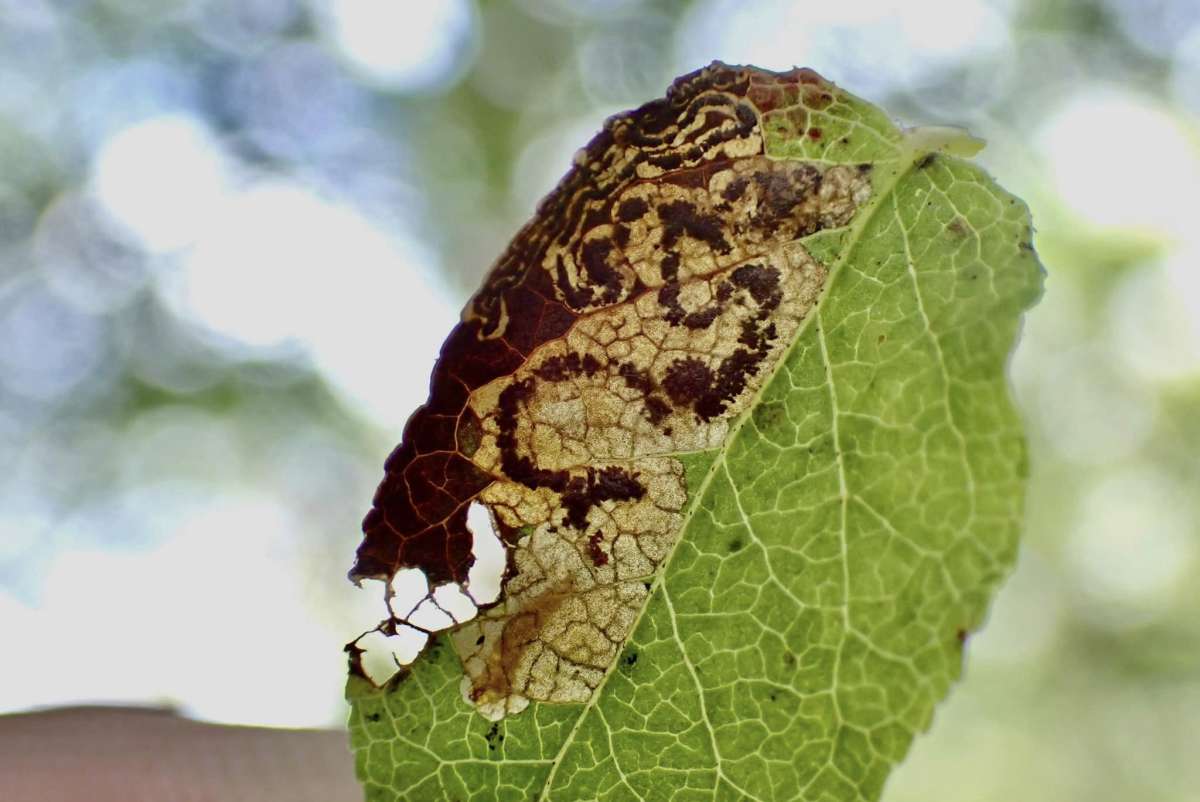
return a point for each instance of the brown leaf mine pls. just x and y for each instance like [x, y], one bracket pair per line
[633, 319]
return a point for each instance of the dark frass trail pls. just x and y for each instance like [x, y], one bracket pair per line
[734, 403]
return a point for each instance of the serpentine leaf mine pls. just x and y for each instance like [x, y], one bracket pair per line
[733, 404]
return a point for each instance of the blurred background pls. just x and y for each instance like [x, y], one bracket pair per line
[234, 232]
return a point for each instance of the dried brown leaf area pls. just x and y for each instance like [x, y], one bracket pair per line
[632, 320]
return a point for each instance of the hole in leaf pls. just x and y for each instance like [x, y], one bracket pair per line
[483, 580]
[452, 601]
[430, 616]
[408, 589]
[382, 654]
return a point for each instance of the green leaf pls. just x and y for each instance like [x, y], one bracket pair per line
[837, 544]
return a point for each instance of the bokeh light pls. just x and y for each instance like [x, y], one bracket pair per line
[403, 46]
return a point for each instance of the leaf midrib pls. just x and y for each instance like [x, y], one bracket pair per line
[911, 152]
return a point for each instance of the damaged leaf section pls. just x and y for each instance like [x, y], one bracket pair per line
[633, 320]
